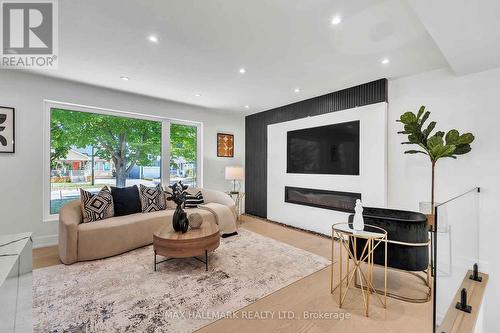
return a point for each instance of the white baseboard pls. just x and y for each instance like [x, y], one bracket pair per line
[43, 241]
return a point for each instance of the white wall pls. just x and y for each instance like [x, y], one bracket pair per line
[21, 173]
[371, 182]
[467, 103]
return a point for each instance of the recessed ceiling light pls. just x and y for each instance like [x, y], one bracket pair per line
[247, 106]
[243, 70]
[336, 20]
[153, 39]
[296, 90]
[124, 78]
[197, 94]
[385, 61]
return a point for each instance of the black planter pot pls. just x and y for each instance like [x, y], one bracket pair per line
[179, 220]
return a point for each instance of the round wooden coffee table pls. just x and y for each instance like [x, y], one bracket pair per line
[193, 243]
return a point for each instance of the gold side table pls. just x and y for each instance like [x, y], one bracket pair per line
[347, 236]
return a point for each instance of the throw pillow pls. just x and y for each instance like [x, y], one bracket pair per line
[98, 206]
[126, 200]
[193, 200]
[170, 204]
[152, 198]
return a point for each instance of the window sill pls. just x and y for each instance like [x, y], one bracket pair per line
[51, 219]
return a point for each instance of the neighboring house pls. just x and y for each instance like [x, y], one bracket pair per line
[76, 167]
[72, 167]
[182, 168]
[146, 172]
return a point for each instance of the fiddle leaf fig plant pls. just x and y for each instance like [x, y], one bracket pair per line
[437, 145]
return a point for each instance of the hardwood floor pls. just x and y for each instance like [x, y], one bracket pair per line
[311, 296]
[45, 257]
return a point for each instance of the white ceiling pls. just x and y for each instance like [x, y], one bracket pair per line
[283, 44]
[467, 31]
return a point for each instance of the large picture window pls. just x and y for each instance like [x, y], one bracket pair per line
[89, 150]
[183, 154]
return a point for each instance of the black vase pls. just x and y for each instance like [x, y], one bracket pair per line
[180, 221]
[183, 222]
[176, 218]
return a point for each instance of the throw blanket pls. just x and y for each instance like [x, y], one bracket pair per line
[224, 217]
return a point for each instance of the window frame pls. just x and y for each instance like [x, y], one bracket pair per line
[165, 144]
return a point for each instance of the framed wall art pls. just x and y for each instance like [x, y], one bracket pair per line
[225, 145]
[7, 130]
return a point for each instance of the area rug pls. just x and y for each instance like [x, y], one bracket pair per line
[125, 294]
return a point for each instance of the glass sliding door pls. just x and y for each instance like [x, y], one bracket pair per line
[184, 153]
[90, 150]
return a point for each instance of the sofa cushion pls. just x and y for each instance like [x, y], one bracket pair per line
[193, 200]
[152, 198]
[126, 200]
[98, 206]
[120, 234]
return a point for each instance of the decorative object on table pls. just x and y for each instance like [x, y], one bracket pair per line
[195, 220]
[225, 145]
[235, 174]
[7, 130]
[193, 200]
[178, 196]
[96, 207]
[436, 146]
[358, 222]
[373, 237]
[152, 198]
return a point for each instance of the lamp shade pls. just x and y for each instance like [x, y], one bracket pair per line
[234, 173]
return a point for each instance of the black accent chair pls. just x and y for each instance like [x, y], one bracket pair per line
[407, 245]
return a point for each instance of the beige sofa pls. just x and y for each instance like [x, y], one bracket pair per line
[95, 240]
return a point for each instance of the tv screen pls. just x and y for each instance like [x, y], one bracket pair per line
[331, 149]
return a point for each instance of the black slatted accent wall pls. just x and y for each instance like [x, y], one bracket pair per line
[256, 133]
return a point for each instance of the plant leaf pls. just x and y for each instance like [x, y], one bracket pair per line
[462, 149]
[415, 152]
[420, 111]
[408, 118]
[452, 137]
[466, 138]
[441, 150]
[424, 118]
[429, 129]
[434, 141]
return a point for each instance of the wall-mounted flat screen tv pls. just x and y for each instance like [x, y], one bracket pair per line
[331, 149]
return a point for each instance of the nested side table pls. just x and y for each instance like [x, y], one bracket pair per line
[348, 238]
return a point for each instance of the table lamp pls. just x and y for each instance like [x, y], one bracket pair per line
[235, 174]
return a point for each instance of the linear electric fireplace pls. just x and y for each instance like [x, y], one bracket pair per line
[334, 200]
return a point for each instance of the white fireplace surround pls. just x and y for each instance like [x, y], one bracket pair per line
[371, 182]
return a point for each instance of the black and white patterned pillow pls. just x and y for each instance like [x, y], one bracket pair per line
[193, 200]
[152, 198]
[96, 207]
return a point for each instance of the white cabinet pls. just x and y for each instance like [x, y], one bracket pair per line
[16, 297]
